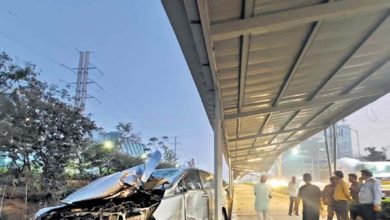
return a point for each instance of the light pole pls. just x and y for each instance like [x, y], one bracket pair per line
[357, 138]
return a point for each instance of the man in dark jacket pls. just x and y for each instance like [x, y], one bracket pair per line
[311, 198]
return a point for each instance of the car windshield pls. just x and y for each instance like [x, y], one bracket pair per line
[169, 174]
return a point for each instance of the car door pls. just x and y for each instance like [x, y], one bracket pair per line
[172, 206]
[196, 198]
[208, 186]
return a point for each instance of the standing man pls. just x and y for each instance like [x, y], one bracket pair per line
[327, 196]
[354, 190]
[311, 198]
[370, 197]
[341, 196]
[263, 195]
[293, 188]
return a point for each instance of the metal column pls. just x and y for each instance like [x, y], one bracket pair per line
[327, 153]
[334, 136]
[217, 158]
[230, 179]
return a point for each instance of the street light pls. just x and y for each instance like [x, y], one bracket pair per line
[108, 145]
[144, 156]
[295, 150]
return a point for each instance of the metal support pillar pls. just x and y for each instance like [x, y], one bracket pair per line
[230, 179]
[327, 153]
[217, 158]
[334, 137]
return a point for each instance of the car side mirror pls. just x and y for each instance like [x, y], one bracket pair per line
[181, 190]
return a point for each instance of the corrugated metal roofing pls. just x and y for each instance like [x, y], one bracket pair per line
[285, 69]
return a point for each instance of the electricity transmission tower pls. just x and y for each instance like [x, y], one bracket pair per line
[175, 144]
[83, 81]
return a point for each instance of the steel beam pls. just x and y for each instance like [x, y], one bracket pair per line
[275, 133]
[340, 66]
[244, 56]
[259, 147]
[264, 156]
[294, 17]
[289, 77]
[371, 71]
[348, 58]
[303, 138]
[306, 104]
[301, 55]
[285, 125]
[311, 119]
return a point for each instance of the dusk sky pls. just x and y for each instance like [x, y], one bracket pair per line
[146, 79]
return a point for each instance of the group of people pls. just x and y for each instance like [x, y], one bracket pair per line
[361, 198]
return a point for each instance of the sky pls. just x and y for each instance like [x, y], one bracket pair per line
[372, 124]
[146, 80]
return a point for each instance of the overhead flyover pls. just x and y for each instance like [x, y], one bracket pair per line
[272, 73]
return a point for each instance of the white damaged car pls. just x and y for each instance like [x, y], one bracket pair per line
[140, 193]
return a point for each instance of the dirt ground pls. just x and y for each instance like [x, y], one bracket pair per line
[14, 209]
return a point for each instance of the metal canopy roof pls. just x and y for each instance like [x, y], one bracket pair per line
[285, 69]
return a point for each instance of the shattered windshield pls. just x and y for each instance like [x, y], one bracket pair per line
[168, 174]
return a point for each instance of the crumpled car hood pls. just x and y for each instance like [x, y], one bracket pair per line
[112, 185]
[107, 185]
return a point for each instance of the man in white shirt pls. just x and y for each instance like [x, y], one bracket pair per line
[370, 197]
[293, 188]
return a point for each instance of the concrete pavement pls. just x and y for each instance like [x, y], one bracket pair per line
[243, 205]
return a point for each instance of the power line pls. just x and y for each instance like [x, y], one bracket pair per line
[34, 28]
[54, 61]
[40, 53]
[55, 43]
[26, 46]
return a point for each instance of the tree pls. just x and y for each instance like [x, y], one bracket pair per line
[374, 154]
[170, 156]
[14, 129]
[121, 161]
[125, 131]
[96, 156]
[107, 161]
[111, 159]
[39, 127]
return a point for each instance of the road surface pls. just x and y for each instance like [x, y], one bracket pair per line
[243, 205]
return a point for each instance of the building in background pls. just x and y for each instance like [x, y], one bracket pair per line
[344, 141]
[310, 155]
[129, 147]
